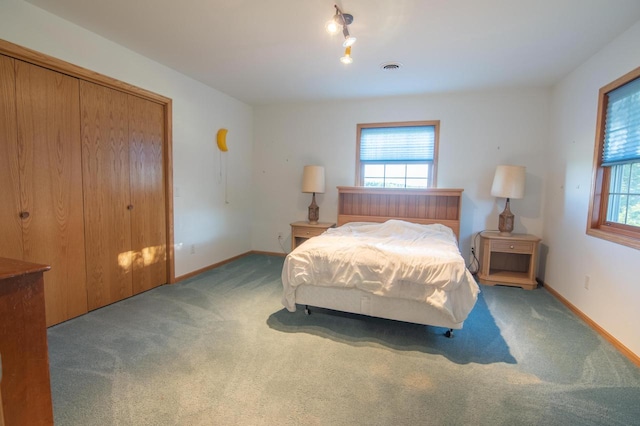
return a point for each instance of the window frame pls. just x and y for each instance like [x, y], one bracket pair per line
[432, 178]
[597, 224]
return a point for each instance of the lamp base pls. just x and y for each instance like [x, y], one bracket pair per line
[505, 221]
[314, 211]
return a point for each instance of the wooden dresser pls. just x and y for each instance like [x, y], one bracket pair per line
[25, 386]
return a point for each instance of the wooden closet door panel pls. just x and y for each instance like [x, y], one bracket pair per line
[10, 226]
[148, 222]
[48, 122]
[105, 160]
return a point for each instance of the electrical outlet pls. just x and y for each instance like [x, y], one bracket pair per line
[193, 249]
[587, 278]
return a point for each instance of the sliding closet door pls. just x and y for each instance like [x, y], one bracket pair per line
[105, 160]
[146, 141]
[10, 226]
[48, 124]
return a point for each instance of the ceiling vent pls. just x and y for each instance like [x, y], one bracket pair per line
[390, 66]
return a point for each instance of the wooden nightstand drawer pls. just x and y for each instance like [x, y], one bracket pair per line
[307, 231]
[512, 246]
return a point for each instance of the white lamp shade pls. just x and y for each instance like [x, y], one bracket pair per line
[508, 182]
[313, 179]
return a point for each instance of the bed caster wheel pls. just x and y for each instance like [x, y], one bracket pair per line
[449, 333]
[307, 311]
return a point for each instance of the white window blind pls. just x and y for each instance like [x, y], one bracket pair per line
[401, 144]
[622, 125]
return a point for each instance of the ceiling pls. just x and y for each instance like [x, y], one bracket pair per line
[270, 51]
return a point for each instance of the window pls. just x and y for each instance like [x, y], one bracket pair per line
[615, 200]
[397, 155]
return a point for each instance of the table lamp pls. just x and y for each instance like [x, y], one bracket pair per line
[508, 183]
[313, 181]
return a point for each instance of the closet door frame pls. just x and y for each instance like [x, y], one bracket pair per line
[22, 53]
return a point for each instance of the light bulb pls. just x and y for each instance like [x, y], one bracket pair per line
[348, 41]
[332, 27]
[347, 59]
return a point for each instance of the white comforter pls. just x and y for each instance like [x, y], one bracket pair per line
[395, 259]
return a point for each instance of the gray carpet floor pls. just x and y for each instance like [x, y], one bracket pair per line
[219, 349]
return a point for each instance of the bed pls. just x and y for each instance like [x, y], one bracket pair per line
[374, 263]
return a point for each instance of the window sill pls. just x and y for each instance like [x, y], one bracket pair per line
[615, 237]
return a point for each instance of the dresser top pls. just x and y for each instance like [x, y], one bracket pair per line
[10, 268]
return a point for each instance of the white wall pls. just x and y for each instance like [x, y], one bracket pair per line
[478, 131]
[614, 290]
[202, 218]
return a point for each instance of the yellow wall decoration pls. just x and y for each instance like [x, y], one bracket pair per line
[222, 140]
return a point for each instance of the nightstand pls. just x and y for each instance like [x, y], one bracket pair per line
[302, 231]
[508, 260]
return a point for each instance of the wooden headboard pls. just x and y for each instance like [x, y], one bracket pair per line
[425, 206]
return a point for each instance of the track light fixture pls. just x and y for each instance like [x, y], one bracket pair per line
[342, 20]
